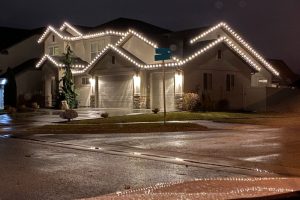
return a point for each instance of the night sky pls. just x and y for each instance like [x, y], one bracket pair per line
[271, 26]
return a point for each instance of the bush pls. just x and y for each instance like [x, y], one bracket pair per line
[10, 110]
[69, 114]
[35, 105]
[191, 102]
[155, 110]
[104, 115]
[23, 108]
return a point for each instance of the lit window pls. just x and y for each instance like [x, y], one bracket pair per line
[85, 81]
[230, 82]
[207, 81]
[54, 51]
[263, 81]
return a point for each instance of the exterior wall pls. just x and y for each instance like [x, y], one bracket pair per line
[81, 48]
[266, 99]
[20, 53]
[140, 49]
[33, 89]
[58, 42]
[156, 85]
[219, 68]
[50, 76]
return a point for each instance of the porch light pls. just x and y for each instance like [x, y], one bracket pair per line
[178, 82]
[92, 82]
[137, 84]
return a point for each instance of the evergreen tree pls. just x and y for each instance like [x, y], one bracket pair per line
[10, 89]
[67, 91]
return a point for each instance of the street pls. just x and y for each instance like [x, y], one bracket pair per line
[81, 166]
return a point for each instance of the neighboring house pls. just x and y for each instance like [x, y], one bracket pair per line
[19, 51]
[114, 66]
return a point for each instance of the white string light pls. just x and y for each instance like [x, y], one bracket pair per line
[94, 35]
[66, 24]
[175, 63]
[56, 63]
[241, 41]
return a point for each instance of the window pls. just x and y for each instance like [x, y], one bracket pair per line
[219, 54]
[96, 48]
[53, 38]
[207, 81]
[230, 82]
[54, 51]
[85, 81]
[113, 60]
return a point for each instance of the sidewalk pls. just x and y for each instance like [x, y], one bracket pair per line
[220, 188]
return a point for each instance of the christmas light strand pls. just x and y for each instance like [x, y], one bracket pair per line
[241, 41]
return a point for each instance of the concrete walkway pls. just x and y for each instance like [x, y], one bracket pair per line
[21, 121]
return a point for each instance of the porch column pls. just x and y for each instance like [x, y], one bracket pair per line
[97, 91]
[178, 89]
[48, 95]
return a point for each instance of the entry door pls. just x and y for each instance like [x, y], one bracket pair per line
[157, 91]
[116, 91]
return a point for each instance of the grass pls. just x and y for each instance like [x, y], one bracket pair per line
[142, 123]
[172, 116]
[115, 128]
[287, 121]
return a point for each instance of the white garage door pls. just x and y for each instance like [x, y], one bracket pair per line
[116, 91]
[157, 91]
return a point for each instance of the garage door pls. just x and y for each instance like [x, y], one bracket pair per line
[157, 91]
[116, 91]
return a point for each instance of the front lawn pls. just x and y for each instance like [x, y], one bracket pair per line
[172, 116]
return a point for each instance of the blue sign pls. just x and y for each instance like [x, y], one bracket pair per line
[162, 54]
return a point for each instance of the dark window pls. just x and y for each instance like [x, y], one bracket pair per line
[219, 54]
[207, 81]
[85, 81]
[53, 38]
[230, 82]
[113, 60]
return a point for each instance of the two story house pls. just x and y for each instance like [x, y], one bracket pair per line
[114, 66]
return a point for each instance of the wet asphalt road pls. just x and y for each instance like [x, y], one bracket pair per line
[38, 171]
[82, 166]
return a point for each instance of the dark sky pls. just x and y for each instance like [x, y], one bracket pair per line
[271, 26]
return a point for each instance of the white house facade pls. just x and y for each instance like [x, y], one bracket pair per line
[115, 68]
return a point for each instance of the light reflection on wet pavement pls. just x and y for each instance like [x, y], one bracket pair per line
[265, 149]
[227, 150]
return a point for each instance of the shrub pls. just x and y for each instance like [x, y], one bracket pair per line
[104, 115]
[191, 102]
[69, 114]
[155, 110]
[23, 108]
[35, 105]
[10, 110]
